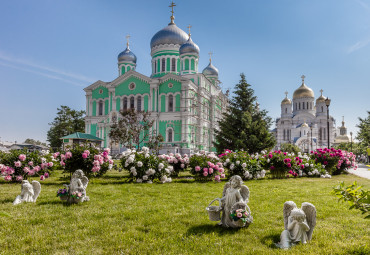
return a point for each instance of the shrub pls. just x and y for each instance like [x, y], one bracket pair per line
[145, 167]
[358, 199]
[17, 165]
[206, 167]
[242, 164]
[178, 162]
[87, 158]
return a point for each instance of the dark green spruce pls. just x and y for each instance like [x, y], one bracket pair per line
[244, 126]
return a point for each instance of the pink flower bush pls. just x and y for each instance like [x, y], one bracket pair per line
[203, 166]
[22, 157]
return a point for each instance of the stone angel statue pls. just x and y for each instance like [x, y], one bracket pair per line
[298, 223]
[29, 192]
[235, 197]
[77, 188]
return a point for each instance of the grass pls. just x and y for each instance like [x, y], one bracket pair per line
[129, 218]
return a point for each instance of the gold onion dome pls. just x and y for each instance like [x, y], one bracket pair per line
[286, 100]
[321, 98]
[305, 125]
[303, 91]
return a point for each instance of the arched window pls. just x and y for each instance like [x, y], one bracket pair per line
[303, 105]
[125, 103]
[286, 110]
[300, 133]
[284, 135]
[163, 64]
[322, 108]
[186, 64]
[139, 103]
[170, 103]
[155, 66]
[132, 103]
[169, 135]
[299, 105]
[100, 107]
[173, 65]
[307, 105]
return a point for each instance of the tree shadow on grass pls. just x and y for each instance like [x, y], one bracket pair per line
[7, 200]
[211, 228]
[271, 240]
[57, 202]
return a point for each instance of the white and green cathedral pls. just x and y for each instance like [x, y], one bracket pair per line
[185, 104]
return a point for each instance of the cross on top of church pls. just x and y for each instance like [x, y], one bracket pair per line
[286, 94]
[189, 29]
[321, 91]
[171, 6]
[210, 56]
[303, 78]
[128, 40]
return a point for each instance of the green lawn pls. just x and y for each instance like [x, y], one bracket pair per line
[128, 218]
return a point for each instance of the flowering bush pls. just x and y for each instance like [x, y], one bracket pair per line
[145, 167]
[335, 161]
[87, 158]
[17, 165]
[242, 164]
[178, 162]
[206, 167]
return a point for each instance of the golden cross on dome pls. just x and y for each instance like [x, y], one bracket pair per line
[321, 91]
[189, 29]
[210, 56]
[303, 78]
[172, 17]
[128, 39]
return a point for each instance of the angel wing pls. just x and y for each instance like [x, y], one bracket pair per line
[36, 189]
[244, 192]
[288, 207]
[84, 181]
[310, 211]
[227, 185]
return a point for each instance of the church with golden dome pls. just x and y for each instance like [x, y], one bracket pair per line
[303, 121]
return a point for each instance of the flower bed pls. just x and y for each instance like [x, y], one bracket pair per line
[178, 162]
[145, 167]
[206, 167]
[18, 165]
[87, 158]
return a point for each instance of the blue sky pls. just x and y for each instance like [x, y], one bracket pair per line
[51, 50]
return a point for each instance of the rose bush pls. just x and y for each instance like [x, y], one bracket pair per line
[206, 166]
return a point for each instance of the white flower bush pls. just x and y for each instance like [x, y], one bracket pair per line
[145, 167]
[178, 162]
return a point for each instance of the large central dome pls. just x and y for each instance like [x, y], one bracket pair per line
[303, 91]
[169, 35]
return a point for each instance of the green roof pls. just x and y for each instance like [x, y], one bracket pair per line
[81, 136]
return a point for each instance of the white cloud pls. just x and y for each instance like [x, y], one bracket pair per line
[42, 74]
[25, 62]
[358, 45]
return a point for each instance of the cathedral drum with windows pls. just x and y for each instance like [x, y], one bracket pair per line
[304, 123]
[185, 104]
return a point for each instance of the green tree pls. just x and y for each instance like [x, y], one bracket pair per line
[287, 147]
[244, 125]
[34, 142]
[363, 134]
[67, 121]
[133, 128]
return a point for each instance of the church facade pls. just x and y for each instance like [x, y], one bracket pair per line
[184, 103]
[303, 121]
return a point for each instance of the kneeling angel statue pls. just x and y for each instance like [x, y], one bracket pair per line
[77, 188]
[29, 192]
[298, 223]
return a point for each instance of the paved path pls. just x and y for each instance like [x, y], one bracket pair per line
[362, 171]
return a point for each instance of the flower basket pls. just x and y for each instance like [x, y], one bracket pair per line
[245, 221]
[214, 212]
[63, 198]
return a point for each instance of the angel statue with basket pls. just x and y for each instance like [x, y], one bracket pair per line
[29, 192]
[298, 224]
[233, 210]
[76, 190]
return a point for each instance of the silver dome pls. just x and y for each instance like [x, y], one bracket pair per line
[169, 35]
[189, 47]
[210, 70]
[127, 56]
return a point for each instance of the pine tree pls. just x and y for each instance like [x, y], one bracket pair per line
[244, 126]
